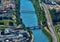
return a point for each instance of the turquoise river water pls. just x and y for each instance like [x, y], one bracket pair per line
[30, 19]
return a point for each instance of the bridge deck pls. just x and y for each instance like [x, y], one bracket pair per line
[28, 11]
[31, 28]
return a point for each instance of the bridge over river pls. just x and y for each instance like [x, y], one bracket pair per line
[31, 27]
[28, 11]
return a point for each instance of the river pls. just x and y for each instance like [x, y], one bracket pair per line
[30, 19]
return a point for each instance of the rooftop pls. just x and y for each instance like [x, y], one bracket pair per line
[13, 35]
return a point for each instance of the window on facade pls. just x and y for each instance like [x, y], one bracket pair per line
[5, 18]
[0, 1]
[0, 18]
[1, 23]
[10, 23]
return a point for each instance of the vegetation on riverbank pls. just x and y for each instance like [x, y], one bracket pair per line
[39, 12]
[47, 34]
[55, 16]
[29, 33]
[57, 32]
[17, 12]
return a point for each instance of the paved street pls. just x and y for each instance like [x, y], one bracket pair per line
[49, 22]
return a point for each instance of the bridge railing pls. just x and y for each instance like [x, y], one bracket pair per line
[28, 11]
[34, 27]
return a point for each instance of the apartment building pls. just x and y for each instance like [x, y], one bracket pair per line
[7, 8]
